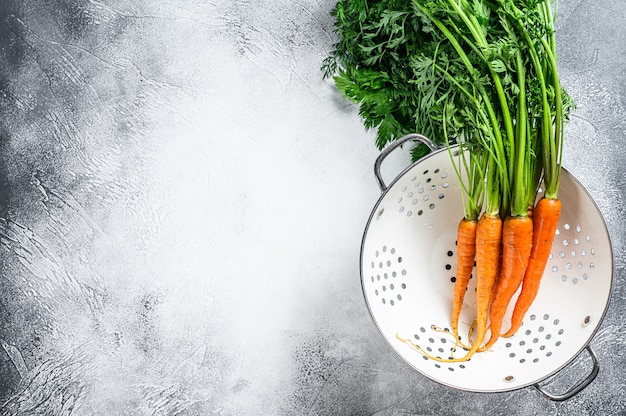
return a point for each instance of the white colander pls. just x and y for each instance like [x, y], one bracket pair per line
[408, 261]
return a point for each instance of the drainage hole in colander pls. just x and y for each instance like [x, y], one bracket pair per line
[578, 247]
[388, 279]
[532, 345]
[391, 301]
[449, 368]
[407, 199]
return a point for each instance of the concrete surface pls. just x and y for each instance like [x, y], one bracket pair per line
[182, 203]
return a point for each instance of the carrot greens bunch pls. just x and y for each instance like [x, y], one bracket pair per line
[482, 75]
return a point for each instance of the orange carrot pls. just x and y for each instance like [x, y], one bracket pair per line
[545, 221]
[517, 234]
[488, 244]
[466, 250]
[488, 248]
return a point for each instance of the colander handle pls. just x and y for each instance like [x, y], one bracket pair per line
[397, 143]
[578, 387]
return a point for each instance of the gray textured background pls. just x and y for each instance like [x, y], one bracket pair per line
[182, 203]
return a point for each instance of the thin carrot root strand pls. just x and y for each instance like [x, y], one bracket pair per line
[545, 222]
[457, 338]
[470, 334]
[430, 356]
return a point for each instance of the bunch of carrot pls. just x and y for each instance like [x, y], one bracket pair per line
[510, 241]
[480, 74]
[509, 146]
